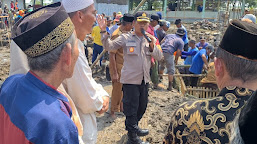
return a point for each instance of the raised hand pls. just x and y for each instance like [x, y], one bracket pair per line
[102, 22]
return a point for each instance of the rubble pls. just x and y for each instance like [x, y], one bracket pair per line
[204, 28]
[205, 24]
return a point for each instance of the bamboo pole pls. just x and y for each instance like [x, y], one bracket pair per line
[98, 58]
[177, 66]
[139, 5]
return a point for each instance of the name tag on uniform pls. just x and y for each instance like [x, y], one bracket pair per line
[131, 45]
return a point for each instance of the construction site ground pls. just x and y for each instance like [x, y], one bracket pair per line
[161, 105]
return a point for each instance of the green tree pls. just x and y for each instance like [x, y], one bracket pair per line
[157, 5]
[149, 4]
[38, 2]
[252, 3]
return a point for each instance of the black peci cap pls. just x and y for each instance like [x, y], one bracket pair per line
[178, 21]
[155, 17]
[43, 30]
[240, 39]
[128, 17]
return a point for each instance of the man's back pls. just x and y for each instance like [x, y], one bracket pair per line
[33, 112]
[207, 121]
[197, 63]
[160, 34]
[189, 59]
[172, 43]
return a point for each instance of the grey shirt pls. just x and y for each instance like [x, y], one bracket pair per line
[172, 43]
[137, 57]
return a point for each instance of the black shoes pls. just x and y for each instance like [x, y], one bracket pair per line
[170, 86]
[134, 139]
[142, 132]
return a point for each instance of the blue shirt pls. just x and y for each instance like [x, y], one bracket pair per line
[190, 55]
[197, 63]
[185, 38]
[203, 46]
[36, 112]
[172, 43]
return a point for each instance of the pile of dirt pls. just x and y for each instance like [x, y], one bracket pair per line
[161, 106]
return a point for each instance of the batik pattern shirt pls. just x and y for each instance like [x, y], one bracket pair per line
[207, 121]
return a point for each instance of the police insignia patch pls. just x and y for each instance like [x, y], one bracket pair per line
[131, 49]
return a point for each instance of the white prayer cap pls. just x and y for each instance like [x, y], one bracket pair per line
[76, 5]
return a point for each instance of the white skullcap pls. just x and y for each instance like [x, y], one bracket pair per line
[76, 5]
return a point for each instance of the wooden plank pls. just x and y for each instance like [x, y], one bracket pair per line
[178, 66]
[214, 94]
[202, 93]
[184, 75]
[190, 92]
[183, 87]
[206, 93]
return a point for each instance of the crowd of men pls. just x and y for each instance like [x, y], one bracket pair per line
[12, 13]
[51, 96]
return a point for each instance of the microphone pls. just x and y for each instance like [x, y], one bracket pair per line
[147, 38]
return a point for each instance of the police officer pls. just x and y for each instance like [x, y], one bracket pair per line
[135, 74]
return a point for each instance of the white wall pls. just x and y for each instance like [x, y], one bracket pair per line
[108, 9]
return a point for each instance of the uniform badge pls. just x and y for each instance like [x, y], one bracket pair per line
[131, 49]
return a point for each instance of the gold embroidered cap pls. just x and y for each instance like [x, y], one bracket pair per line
[141, 16]
[43, 30]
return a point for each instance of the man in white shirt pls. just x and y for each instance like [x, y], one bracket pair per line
[88, 96]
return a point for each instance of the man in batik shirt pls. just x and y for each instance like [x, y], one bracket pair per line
[208, 121]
